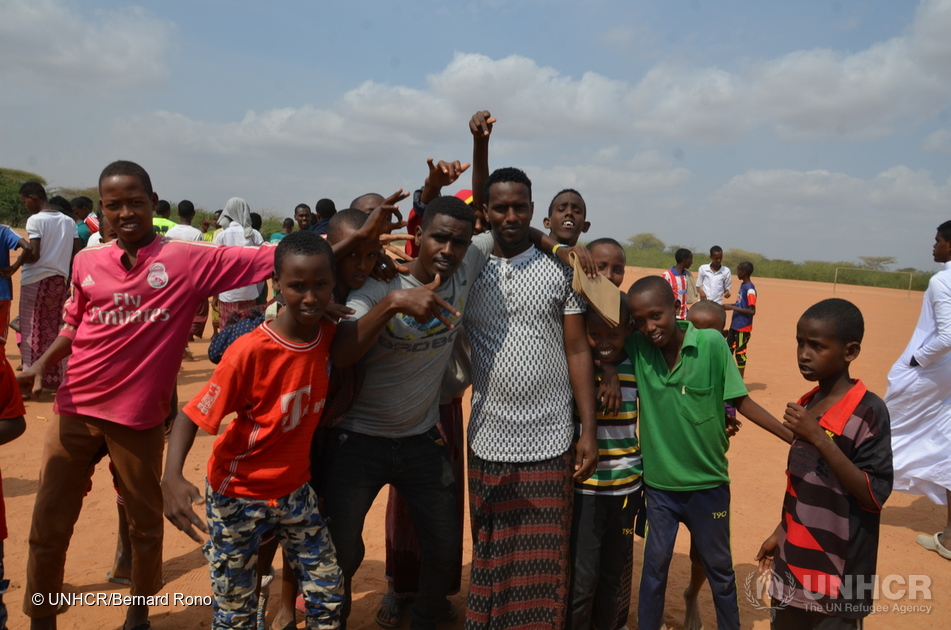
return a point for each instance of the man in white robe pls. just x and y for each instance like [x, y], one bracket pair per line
[919, 399]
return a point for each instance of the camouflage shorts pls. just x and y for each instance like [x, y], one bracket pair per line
[236, 527]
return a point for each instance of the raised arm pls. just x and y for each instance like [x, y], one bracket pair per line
[441, 175]
[480, 125]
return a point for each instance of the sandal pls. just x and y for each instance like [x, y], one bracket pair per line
[390, 612]
[931, 543]
[118, 580]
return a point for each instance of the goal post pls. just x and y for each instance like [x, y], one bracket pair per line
[842, 275]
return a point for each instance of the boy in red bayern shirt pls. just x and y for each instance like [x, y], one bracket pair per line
[275, 378]
[126, 327]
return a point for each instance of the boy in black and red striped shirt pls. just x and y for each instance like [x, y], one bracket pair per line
[839, 475]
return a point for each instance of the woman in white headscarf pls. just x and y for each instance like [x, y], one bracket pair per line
[237, 231]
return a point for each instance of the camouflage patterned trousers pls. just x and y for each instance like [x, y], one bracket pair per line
[236, 527]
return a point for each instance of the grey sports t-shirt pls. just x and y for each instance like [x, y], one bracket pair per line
[404, 368]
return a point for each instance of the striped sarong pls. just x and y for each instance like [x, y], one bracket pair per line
[201, 317]
[41, 316]
[521, 521]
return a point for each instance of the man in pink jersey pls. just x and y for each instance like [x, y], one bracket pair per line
[126, 326]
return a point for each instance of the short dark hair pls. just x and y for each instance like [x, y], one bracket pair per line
[302, 243]
[125, 167]
[357, 201]
[607, 241]
[164, 208]
[33, 188]
[716, 249]
[81, 202]
[745, 266]
[682, 254]
[346, 218]
[186, 208]
[844, 318]
[288, 224]
[551, 206]
[653, 283]
[945, 230]
[711, 307]
[505, 175]
[624, 314]
[325, 208]
[299, 206]
[256, 221]
[449, 206]
[61, 203]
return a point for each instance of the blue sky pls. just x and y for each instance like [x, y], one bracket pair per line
[817, 130]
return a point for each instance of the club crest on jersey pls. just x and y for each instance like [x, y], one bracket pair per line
[158, 277]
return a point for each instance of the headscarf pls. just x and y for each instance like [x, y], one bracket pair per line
[237, 210]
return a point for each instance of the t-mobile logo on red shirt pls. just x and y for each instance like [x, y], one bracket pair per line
[295, 405]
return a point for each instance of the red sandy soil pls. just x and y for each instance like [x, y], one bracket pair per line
[757, 467]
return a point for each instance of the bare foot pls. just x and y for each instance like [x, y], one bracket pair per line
[692, 620]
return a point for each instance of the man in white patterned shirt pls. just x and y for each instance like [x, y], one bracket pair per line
[529, 355]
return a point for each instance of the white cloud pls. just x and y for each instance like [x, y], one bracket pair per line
[820, 214]
[49, 45]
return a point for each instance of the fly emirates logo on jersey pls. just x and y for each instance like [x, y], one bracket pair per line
[296, 405]
[127, 309]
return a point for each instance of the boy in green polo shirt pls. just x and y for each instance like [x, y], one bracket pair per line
[684, 376]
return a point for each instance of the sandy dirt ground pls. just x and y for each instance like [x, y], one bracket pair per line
[757, 464]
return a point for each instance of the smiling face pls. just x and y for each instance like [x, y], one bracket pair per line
[820, 354]
[566, 218]
[509, 209]
[128, 208]
[607, 342]
[941, 250]
[442, 246]
[306, 282]
[654, 315]
[609, 261]
[302, 215]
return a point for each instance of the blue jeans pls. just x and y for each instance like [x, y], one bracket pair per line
[357, 466]
[706, 513]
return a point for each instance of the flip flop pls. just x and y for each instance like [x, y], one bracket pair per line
[117, 580]
[931, 543]
[390, 613]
